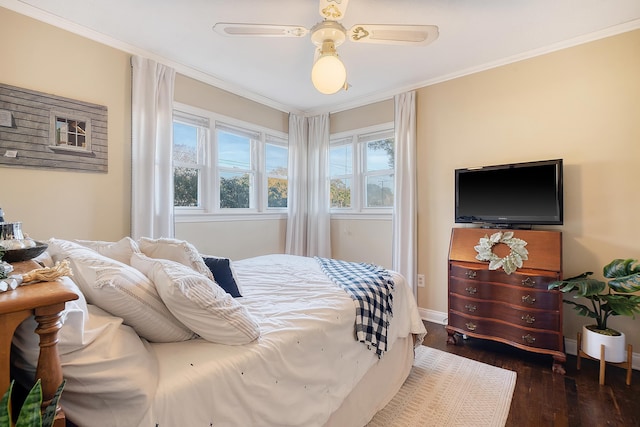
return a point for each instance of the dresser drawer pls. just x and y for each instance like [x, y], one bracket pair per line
[515, 295]
[510, 334]
[538, 319]
[533, 279]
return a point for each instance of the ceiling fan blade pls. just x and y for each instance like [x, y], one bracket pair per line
[333, 9]
[393, 34]
[259, 30]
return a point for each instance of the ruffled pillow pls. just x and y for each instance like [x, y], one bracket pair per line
[120, 250]
[175, 250]
[120, 290]
[198, 302]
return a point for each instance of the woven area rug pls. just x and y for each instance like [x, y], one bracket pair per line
[448, 390]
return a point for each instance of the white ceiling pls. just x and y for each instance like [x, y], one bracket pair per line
[474, 35]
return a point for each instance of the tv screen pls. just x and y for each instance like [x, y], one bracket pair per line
[512, 194]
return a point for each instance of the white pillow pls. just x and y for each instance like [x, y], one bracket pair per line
[199, 302]
[175, 250]
[120, 250]
[122, 291]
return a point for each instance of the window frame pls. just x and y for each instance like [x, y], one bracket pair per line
[209, 187]
[358, 139]
[202, 165]
[276, 141]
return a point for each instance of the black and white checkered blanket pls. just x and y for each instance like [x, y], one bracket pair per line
[371, 288]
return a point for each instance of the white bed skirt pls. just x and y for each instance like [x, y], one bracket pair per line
[376, 388]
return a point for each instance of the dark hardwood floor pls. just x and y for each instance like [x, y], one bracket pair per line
[542, 398]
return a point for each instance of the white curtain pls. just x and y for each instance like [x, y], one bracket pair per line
[296, 243]
[405, 208]
[308, 225]
[318, 215]
[151, 149]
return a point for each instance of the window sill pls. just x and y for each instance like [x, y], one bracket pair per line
[385, 216]
[184, 217]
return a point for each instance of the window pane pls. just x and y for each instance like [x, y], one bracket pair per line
[185, 187]
[340, 160]
[277, 188]
[380, 155]
[235, 190]
[185, 143]
[340, 193]
[234, 151]
[380, 191]
[276, 160]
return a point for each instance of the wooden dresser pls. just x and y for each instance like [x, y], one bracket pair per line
[516, 309]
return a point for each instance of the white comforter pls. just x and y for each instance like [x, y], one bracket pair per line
[296, 374]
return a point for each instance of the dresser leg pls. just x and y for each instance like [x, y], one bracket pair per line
[452, 337]
[558, 366]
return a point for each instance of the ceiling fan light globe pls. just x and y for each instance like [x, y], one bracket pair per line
[328, 74]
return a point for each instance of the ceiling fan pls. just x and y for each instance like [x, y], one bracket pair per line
[329, 74]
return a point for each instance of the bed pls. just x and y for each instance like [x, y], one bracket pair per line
[291, 360]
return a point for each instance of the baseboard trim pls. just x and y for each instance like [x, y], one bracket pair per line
[570, 345]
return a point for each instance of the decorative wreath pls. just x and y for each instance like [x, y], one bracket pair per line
[510, 262]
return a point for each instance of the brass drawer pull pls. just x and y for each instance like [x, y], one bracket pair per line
[528, 339]
[529, 282]
[528, 299]
[471, 326]
[471, 290]
[529, 319]
[471, 307]
[471, 274]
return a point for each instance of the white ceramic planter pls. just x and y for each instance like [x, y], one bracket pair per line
[615, 347]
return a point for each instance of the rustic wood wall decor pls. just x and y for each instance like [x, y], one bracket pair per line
[39, 130]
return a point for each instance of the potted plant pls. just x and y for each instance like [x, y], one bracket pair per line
[605, 299]
[30, 413]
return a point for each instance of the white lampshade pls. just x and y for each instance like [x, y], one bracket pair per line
[328, 74]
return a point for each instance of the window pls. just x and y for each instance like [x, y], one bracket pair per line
[361, 171]
[189, 134]
[341, 173]
[221, 165]
[236, 169]
[378, 171]
[276, 167]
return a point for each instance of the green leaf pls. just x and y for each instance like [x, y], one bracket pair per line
[582, 309]
[5, 407]
[50, 411]
[626, 305]
[624, 274]
[620, 267]
[583, 286]
[30, 412]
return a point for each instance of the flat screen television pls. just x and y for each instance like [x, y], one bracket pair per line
[516, 195]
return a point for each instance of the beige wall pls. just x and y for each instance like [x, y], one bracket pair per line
[362, 240]
[362, 117]
[197, 94]
[66, 204]
[235, 239]
[580, 104]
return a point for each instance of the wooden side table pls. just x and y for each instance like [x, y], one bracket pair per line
[45, 301]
